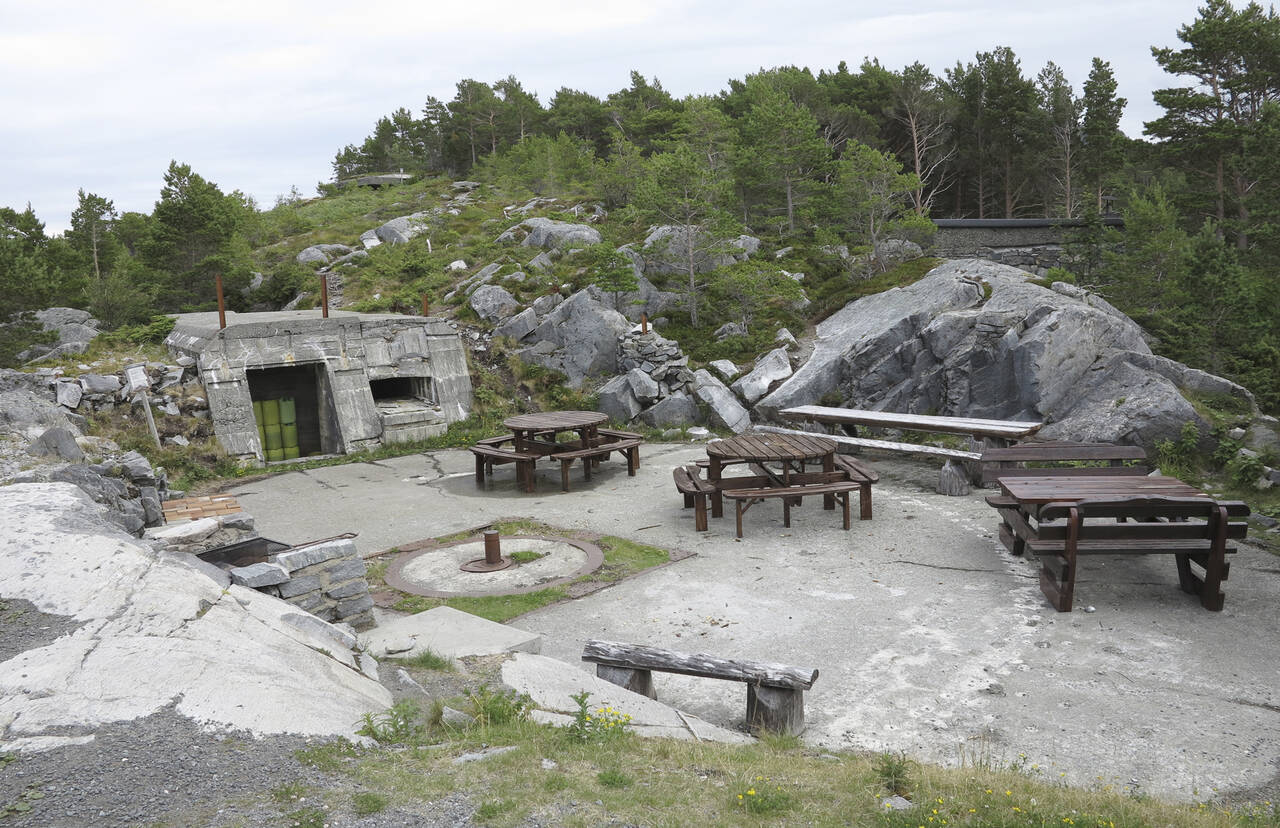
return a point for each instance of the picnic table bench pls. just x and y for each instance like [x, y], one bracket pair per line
[1050, 517]
[534, 436]
[775, 692]
[1002, 431]
[1010, 461]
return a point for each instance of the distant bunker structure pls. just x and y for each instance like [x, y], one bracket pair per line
[1031, 244]
[352, 380]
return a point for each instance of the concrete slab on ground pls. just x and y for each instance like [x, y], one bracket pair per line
[552, 685]
[446, 632]
[929, 636]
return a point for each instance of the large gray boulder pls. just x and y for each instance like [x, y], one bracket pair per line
[666, 250]
[74, 329]
[674, 411]
[723, 406]
[28, 406]
[645, 299]
[579, 338]
[518, 326]
[974, 338]
[772, 367]
[550, 234]
[493, 303]
[158, 631]
[617, 399]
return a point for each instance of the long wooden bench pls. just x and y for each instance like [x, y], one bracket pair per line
[1011, 461]
[696, 491]
[1194, 530]
[882, 445]
[744, 498]
[489, 455]
[628, 448]
[775, 692]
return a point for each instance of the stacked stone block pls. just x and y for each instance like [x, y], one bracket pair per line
[325, 579]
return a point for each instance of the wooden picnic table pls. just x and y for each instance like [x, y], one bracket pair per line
[1056, 518]
[996, 430]
[790, 451]
[532, 431]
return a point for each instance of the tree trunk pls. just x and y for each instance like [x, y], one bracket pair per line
[791, 222]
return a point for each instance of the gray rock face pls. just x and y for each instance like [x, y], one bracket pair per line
[540, 263]
[322, 253]
[642, 386]
[69, 394]
[677, 410]
[154, 632]
[772, 367]
[726, 368]
[616, 399]
[57, 442]
[1023, 352]
[493, 303]
[550, 234]
[27, 406]
[403, 229]
[579, 338]
[75, 330]
[100, 383]
[518, 326]
[725, 410]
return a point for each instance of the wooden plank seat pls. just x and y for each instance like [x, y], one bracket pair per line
[746, 497]
[1193, 529]
[1010, 461]
[695, 491]
[489, 455]
[862, 474]
[630, 449]
[775, 692]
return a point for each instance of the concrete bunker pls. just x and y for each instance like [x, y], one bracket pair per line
[354, 380]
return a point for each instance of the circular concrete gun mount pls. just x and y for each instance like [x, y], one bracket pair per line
[435, 572]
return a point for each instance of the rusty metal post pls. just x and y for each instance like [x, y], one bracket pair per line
[426, 307]
[492, 547]
[644, 323]
[222, 303]
[324, 296]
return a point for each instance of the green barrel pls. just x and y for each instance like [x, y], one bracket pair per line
[257, 411]
[270, 412]
[273, 437]
[288, 411]
[291, 453]
[275, 454]
[289, 436]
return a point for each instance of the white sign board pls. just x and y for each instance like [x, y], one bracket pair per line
[135, 376]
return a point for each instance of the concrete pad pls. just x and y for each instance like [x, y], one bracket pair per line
[437, 571]
[552, 684]
[447, 632]
[930, 638]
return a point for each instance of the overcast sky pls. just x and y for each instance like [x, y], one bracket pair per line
[259, 95]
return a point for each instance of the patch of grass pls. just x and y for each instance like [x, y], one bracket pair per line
[398, 725]
[613, 778]
[762, 796]
[492, 809]
[330, 757]
[306, 818]
[525, 556]
[368, 802]
[429, 659]
[288, 793]
[893, 771]
[498, 707]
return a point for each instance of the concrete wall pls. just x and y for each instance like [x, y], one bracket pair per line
[1034, 245]
[347, 350]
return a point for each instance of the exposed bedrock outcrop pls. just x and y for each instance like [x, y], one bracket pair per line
[975, 338]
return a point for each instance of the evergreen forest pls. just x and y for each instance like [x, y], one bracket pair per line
[806, 161]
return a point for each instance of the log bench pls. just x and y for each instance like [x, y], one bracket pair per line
[488, 454]
[775, 692]
[629, 448]
[1192, 529]
[1011, 461]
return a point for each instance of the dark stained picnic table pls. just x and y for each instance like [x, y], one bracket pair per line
[1031, 492]
[785, 449]
[530, 430]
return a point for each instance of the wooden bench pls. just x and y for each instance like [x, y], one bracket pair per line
[696, 491]
[883, 445]
[744, 498]
[1192, 529]
[628, 448]
[862, 474]
[487, 455]
[775, 692]
[1011, 461]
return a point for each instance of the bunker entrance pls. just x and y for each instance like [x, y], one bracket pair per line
[294, 411]
[402, 388]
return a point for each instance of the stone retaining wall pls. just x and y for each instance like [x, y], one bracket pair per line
[325, 579]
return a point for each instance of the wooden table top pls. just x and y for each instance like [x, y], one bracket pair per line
[765, 447]
[1049, 489]
[1008, 429]
[555, 420]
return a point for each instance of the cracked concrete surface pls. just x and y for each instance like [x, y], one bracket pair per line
[929, 637]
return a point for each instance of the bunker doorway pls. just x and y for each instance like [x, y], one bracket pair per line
[299, 393]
